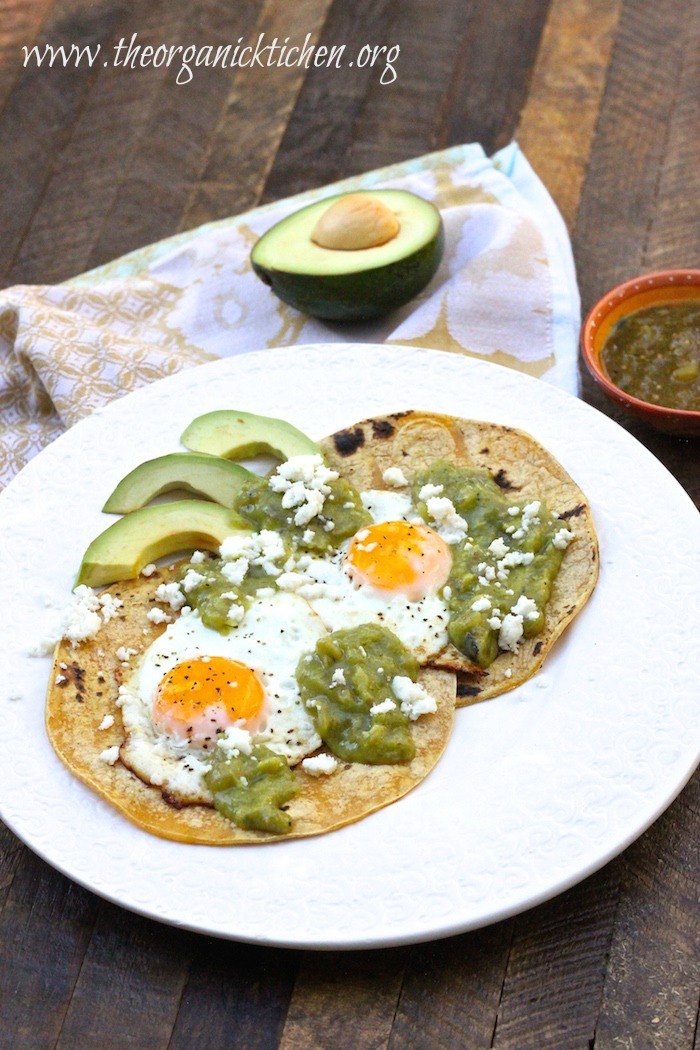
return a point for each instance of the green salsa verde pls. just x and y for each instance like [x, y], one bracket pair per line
[349, 673]
[654, 354]
[502, 574]
[342, 515]
[252, 790]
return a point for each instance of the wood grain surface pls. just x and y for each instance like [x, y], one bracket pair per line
[603, 96]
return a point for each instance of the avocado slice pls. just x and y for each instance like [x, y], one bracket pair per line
[239, 435]
[344, 259]
[122, 550]
[208, 476]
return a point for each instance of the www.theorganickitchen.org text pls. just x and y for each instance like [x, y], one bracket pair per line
[186, 58]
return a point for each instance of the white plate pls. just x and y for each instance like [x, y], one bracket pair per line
[537, 788]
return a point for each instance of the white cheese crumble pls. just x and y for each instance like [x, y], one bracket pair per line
[191, 579]
[320, 765]
[481, 604]
[395, 477]
[304, 483]
[415, 700]
[562, 539]
[451, 525]
[197, 558]
[148, 570]
[110, 755]
[525, 607]
[383, 707]
[264, 548]
[430, 491]
[236, 741]
[498, 547]
[124, 654]
[109, 605]
[81, 619]
[170, 594]
[338, 676]
[511, 632]
[107, 722]
[158, 616]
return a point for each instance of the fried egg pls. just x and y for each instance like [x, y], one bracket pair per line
[391, 572]
[193, 686]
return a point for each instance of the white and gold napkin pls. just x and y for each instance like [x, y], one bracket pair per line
[505, 291]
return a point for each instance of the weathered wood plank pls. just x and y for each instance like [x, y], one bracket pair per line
[344, 999]
[45, 926]
[113, 192]
[173, 144]
[404, 117]
[673, 237]
[129, 987]
[491, 80]
[462, 78]
[558, 121]
[38, 117]
[237, 995]
[323, 124]
[628, 225]
[241, 150]
[651, 989]
[21, 22]
[11, 850]
[451, 992]
[616, 209]
[556, 968]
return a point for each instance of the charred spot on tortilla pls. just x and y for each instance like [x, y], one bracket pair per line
[574, 512]
[348, 442]
[382, 428]
[467, 689]
[501, 479]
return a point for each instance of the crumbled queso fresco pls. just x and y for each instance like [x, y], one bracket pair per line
[303, 480]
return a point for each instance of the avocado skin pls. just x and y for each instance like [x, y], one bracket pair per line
[359, 296]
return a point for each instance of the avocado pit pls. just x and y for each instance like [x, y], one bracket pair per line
[355, 222]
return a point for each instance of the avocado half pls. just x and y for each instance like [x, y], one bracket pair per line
[354, 283]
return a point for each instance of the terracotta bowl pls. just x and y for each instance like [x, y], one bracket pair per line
[650, 289]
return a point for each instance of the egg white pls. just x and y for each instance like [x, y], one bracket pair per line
[341, 602]
[274, 633]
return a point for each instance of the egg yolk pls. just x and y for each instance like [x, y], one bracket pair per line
[199, 697]
[411, 559]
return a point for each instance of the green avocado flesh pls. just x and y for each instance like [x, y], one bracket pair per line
[351, 285]
[492, 516]
[367, 657]
[251, 790]
[240, 435]
[123, 549]
[208, 476]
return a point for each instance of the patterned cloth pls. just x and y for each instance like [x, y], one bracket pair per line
[506, 290]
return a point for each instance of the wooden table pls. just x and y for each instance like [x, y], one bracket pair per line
[603, 97]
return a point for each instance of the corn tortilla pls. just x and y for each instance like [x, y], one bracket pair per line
[519, 465]
[83, 691]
